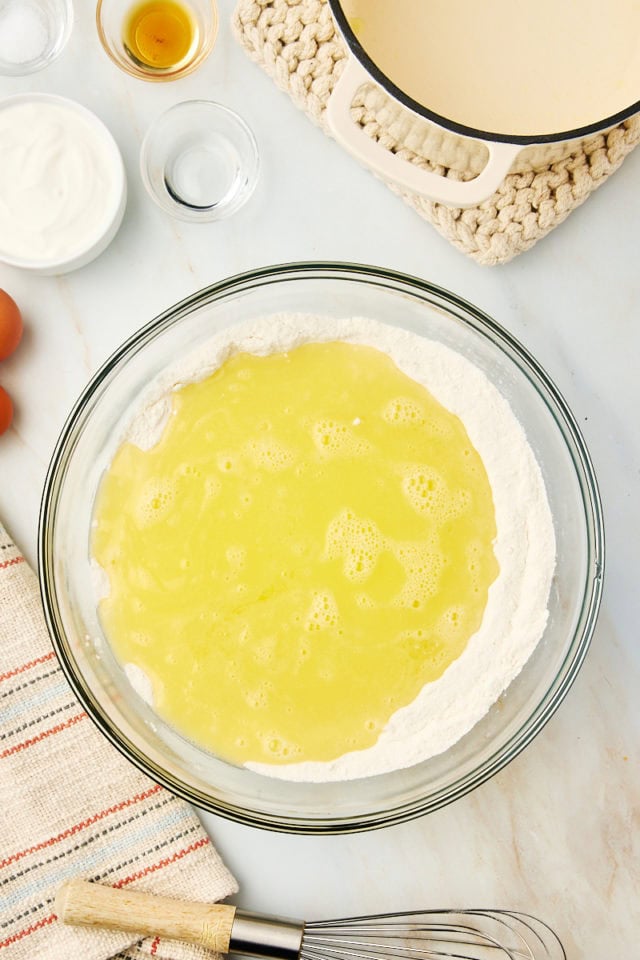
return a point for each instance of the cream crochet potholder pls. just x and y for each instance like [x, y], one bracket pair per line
[296, 43]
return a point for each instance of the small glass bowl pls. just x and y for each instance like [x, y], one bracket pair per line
[33, 33]
[199, 161]
[112, 15]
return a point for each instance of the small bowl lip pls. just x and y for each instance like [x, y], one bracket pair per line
[52, 52]
[214, 107]
[567, 670]
[158, 77]
[115, 215]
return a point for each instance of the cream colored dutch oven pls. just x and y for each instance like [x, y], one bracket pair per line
[493, 87]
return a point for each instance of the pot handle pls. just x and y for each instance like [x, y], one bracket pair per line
[454, 193]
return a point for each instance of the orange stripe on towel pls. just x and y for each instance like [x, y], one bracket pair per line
[77, 827]
[11, 563]
[27, 666]
[165, 862]
[42, 736]
[25, 933]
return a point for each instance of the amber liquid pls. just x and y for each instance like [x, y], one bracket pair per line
[160, 33]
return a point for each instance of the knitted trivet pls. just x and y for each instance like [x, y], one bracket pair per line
[296, 43]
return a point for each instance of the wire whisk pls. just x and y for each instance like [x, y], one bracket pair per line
[424, 935]
[433, 935]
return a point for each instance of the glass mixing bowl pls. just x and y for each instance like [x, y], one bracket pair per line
[66, 580]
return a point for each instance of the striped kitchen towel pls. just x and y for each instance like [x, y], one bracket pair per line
[70, 805]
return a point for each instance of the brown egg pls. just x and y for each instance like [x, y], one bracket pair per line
[10, 325]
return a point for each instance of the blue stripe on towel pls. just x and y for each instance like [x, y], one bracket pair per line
[103, 854]
[58, 687]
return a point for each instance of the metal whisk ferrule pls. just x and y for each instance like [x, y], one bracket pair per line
[257, 935]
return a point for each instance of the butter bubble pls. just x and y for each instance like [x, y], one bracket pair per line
[154, 501]
[226, 462]
[402, 411]
[425, 490]
[323, 612]
[357, 541]
[422, 564]
[236, 556]
[279, 748]
[269, 454]
[334, 438]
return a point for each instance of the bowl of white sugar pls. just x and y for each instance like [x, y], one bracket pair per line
[62, 184]
[33, 33]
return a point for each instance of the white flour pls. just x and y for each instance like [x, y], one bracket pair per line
[516, 611]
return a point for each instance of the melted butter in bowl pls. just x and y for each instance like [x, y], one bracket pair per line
[310, 560]
[308, 545]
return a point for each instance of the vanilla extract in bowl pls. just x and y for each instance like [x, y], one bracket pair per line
[157, 39]
[160, 33]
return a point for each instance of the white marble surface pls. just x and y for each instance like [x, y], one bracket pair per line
[557, 832]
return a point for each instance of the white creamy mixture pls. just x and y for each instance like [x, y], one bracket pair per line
[516, 612]
[56, 182]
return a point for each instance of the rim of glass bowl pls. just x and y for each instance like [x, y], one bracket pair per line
[482, 324]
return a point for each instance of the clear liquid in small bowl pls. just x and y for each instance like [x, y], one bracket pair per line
[203, 172]
[199, 161]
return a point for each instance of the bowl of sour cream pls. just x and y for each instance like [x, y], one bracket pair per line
[62, 184]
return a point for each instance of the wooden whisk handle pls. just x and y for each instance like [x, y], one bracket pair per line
[94, 905]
